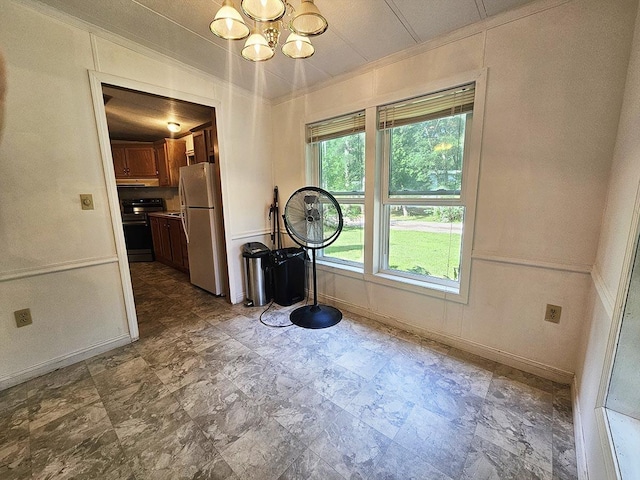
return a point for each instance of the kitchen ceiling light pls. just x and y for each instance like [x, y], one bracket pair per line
[271, 18]
[228, 23]
[174, 127]
[308, 21]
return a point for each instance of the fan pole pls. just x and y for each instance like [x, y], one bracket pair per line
[315, 280]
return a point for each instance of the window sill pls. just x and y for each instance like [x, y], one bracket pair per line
[625, 436]
[393, 281]
[417, 286]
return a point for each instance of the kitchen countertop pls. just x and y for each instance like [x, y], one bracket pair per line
[165, 214]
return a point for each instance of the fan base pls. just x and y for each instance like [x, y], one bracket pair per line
[315, 316]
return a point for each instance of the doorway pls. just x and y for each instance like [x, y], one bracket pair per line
[138, 117]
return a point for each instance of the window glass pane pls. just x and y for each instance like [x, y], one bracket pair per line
[425, 158]
[342, 164]
[425, 240]
[350, 244]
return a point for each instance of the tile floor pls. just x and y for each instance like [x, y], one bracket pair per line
[208, 392]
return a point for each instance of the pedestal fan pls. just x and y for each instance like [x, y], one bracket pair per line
[313, 220]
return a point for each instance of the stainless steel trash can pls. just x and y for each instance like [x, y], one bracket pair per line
[257, 284]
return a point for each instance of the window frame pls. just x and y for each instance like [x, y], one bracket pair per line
[387, 200]
[371, 271]
[349, 198]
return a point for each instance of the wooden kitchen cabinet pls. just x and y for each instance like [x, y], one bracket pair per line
[171, 155]
[205, 143]
[169, 242]
[200, 147]
[119, 161]
[160, 237]
[176, 234]
[134, 160]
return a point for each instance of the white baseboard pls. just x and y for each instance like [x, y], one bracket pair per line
[506, 358]
[62, 361]
[239, 298]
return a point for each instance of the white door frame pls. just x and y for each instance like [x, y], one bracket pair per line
[96, 79]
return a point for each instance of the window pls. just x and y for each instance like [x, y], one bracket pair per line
[423, 201]
[422, 163]
[338, 147]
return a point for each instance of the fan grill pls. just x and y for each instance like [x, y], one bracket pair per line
[313, 218]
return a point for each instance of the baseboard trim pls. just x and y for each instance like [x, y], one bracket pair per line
[62, 361]
[490, 353]
[239, 298]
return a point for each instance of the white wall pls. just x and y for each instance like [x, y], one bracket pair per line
[608, 272]
[57, 259]
[555, 77]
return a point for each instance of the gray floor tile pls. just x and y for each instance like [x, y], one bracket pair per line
[350, 446]
[15, 454]
[362, 361]
[306, 414]
[398, 463]
[12, 397]
[209, 392]
[532, 440]
[263, 452]
[111, 359]
[48, 404]
[487, 461]
[381, 408]
[338, 384]
[81, 444]
[309, 466]
[183, 454]
[146, 427]
[436, 440]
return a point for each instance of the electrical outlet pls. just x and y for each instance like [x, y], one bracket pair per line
[86, 201]
[23, 317]
[552, 314]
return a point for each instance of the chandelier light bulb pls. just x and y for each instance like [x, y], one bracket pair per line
[256, 48]
[298, 47]
[228, 23]
[308, 21]
[263, 10]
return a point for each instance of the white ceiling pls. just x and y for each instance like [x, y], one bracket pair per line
[360, 31]
[143, 117]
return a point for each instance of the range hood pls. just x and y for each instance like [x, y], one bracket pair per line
[137, 182]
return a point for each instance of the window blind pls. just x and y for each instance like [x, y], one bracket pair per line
[335, 127]
[440, 104]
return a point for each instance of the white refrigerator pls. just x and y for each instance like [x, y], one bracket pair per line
[201, 214]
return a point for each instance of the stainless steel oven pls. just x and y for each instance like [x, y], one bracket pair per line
[137, 227]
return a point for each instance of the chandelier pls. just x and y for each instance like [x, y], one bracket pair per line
[271, 17]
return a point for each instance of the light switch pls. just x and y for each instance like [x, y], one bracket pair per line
[86, 201]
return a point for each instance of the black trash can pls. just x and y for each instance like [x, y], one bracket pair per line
[288, 274]
[257, 278]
